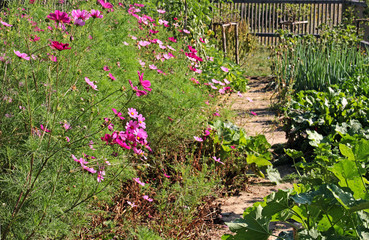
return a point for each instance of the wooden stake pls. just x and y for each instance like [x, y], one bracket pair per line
[224, 41]
[236, 42]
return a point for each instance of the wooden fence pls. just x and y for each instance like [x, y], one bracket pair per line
[265, 17]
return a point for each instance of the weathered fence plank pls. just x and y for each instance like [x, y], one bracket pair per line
[264, 16]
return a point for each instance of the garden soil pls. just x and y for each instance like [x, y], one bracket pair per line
[256, 117]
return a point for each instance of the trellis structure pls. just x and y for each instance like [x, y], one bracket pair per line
[265, 17]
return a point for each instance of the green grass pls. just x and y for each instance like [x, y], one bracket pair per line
[257, 62]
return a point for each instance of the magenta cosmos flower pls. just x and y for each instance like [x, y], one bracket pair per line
[138, 91]
[59, 17]
[144, 83]
[22, 55]
[111, 77]
[59, 46]
[95, 14]
[118, 114]
[106, 5]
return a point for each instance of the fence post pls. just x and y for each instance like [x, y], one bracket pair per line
[224, 41]
[236, 40]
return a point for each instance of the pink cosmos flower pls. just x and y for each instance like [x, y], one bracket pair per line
[100, 176]
[66, 126]
[59, 17]
[141, 121]
[91, 84]
[233, 147]
[144, 83]
[132, 204]
[59, 46]
[201, 40]
[6, 24]
[167, 176]
[106, 5]
[53, 58]
[111, 77]
[214, 80]
[239, 94]
[217, 160]
[144, 43]
[171, 48]
[140, 134]
[147, 198]
[224, 69]
[44, 128]
[194, 80]
[95, 14]
[199, 139]
[142, 63]
[37, 29]
[125, 43]
[67, 139]
[213, 87]
[216, 114]
[79, 22]
[167, 56]
[118, 114]
[34, 38]
[172, 39]
[132, 113]
[91, 145]
[186, 31]
[82, 161]
[161, 72]
[80, 14]
[137, 180]
[106, 68]
[138, 92]
[153, 31]
[249, 99]
[253, 113]
[161, 11]
[226, 81]
[22, 55]
[163, 22]
[133, 37]
[91, 170]
[206, 132]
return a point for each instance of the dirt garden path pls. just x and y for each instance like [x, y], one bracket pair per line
[256, 117]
